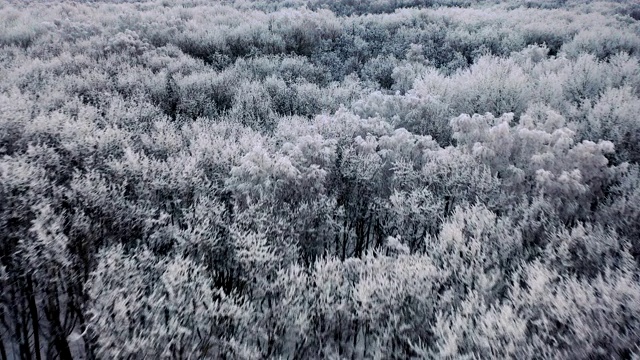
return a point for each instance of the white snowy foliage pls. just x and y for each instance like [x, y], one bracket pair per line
[319, 179]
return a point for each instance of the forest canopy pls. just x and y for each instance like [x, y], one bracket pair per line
[317, 179]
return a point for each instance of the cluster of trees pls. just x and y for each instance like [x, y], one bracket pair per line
[319, 179]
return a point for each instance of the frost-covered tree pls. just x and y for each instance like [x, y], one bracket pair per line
[298, 179]
[142, 306]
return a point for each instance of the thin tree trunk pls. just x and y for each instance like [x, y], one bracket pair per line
[22, 332]
[88, 338]
[52, 312]
[367, 236]
[345, 237]
[355, 340]
[33, 309]
[3, 352]
[359, 238]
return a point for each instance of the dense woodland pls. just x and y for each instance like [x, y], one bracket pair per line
[319, 179]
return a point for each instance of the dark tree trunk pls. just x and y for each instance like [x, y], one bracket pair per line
[33, 309]
[3, 352]
[52, 310]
